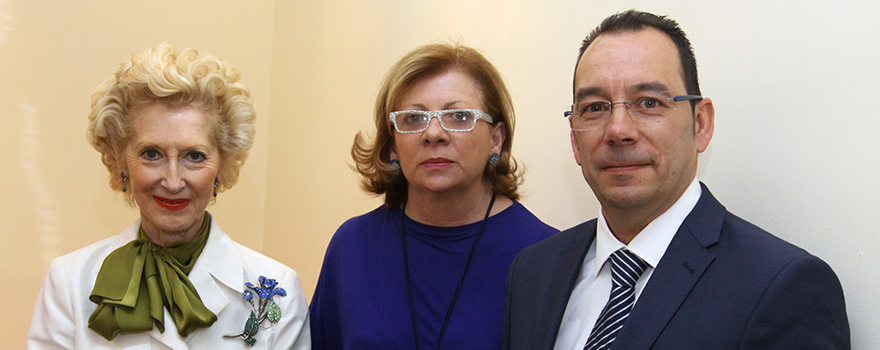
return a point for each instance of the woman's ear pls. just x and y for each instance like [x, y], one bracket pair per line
[499, 134]
[392, 153]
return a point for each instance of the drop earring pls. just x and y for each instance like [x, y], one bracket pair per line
[396, 165]
[493, 159]
[124, 189]
[216, 184]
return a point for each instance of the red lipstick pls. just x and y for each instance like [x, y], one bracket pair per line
[174, 204]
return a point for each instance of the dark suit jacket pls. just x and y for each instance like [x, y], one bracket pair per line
[723, 283]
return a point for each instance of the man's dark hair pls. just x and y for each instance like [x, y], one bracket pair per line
[633, 21]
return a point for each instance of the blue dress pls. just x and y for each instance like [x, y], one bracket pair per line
[361, 299]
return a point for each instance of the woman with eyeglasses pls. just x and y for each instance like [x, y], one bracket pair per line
[427, 269]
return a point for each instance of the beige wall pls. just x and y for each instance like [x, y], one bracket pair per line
[795, 147]
[54, 191]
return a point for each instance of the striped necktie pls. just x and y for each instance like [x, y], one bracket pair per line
[626, 268]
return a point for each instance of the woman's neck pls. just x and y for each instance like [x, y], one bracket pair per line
[451, 209]
[164, 238]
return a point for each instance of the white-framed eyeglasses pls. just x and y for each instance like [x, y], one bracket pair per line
[592, 114]
[456, 120]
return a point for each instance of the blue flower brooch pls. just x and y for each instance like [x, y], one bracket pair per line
[266, 310]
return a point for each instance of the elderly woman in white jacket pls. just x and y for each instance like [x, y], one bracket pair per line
[173, 129]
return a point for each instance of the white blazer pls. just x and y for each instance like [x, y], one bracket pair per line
[63, 308]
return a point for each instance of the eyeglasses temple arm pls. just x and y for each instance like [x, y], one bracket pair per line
[686, 98]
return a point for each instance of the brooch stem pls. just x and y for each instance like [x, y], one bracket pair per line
[267, 310]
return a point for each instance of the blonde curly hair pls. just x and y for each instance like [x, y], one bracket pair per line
[175, 78]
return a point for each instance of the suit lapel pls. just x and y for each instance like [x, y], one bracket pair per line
[565, 274]
[685, 261]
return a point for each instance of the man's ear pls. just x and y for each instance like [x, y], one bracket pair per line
[574, 148]
[704, 123]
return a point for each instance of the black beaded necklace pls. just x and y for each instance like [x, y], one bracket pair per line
[412, 306]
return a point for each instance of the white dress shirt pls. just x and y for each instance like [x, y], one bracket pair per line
[593, 286]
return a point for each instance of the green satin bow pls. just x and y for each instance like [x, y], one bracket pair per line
[139, 279]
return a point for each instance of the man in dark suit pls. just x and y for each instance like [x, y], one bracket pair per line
[682, 271]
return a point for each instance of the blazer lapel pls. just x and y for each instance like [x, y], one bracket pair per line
[218, 268]
[169, 338]
[681, 267]
[565, 274]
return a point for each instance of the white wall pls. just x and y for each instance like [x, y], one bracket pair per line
[793, 85]
[796, 146]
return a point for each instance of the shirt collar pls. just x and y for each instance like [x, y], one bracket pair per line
[651, 243]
